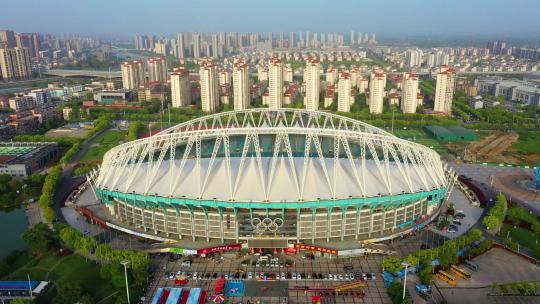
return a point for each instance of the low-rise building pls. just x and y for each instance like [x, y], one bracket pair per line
[21, 159]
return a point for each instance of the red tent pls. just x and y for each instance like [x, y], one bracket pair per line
[220, 284]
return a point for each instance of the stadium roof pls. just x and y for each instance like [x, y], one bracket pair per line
[271, 156]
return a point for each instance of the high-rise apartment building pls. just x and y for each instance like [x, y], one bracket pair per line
[344, 92]
[132, 74]
[215, 46]
[157, 69]
[414, 58]
[313, 82]
[377, 83]
[208, 72]
[180, 45]
[180, 87]
[331, 74]
[30, 41]
[15, 64]
[196, 38]
[409, 95]
[292, 43]
[241, 87]
[444, 90]
[275, 83]
[161, 48]
[7, 39]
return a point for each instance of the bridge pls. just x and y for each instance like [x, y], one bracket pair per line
[84, 73]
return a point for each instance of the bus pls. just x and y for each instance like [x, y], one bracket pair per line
[460, 272]
[444, 276]
[472, 266]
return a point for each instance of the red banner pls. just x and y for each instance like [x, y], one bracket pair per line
[315, 248]
[219, 248]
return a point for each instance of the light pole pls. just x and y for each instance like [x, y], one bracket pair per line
[405, 280]
[125, 263]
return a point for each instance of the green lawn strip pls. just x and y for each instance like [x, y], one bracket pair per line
[521, 236]
[72, 268]
[107, 141]
[528, 142]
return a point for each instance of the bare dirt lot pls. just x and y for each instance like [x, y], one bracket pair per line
[492, 148]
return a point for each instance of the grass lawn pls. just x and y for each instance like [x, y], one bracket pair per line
[72, 268]
[419, 136]
[106, 141]
[528, 142]
[523, 237]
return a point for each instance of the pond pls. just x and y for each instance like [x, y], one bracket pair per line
[13, 223]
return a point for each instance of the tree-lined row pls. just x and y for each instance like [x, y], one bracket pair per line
[496, 214]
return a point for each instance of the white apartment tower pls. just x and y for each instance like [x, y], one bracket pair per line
[241, 88]
[409, 95]
[275, 83]
[196, 39]
[377, 83]
[132, 74]
[344, 92]
[180, 87]
[157, 69]
[209, 86]
[444, 91]
[312, 79]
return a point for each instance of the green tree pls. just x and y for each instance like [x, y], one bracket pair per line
[412, 260]
[70, 292]
[490, 221]
[39, 238]
[22, 301]
[396, 293]
[426, 274]
[392, 264]
[447, 257]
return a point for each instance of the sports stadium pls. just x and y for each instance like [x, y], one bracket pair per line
[284, 175]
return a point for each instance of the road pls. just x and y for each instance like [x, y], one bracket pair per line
[68, 182]
[87, 73]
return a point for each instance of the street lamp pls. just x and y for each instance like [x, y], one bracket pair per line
[125, 263]
[405, 280]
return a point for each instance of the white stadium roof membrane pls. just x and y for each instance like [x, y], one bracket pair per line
[384, 165]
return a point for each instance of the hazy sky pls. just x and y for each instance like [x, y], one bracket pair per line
[387, 17]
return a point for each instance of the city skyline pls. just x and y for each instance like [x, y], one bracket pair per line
[421, 17]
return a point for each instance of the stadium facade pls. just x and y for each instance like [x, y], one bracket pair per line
[284, 175]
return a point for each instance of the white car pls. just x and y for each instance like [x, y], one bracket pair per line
[226, 276]
[195, 275]
[294, 275]
[347, 277]
[341, 277]
[250, 275]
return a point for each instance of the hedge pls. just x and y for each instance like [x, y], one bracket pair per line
[495, 215]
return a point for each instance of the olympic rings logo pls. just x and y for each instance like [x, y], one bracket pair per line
[266, 224]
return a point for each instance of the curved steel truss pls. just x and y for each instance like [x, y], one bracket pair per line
[271, 155]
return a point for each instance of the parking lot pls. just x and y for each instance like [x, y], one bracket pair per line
[269, 282]
[495, 266]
